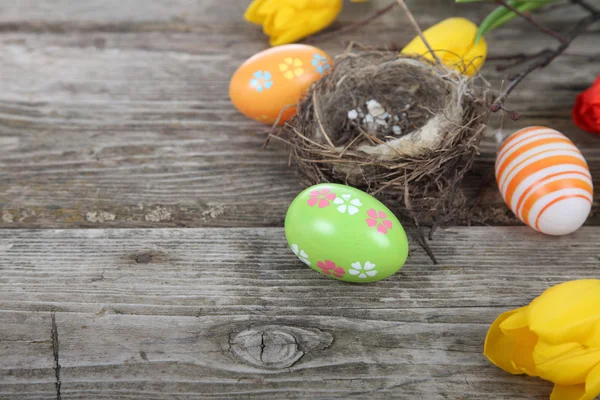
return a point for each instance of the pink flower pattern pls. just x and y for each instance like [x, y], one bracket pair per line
[380, 220]
[321, 197]
[329, 268]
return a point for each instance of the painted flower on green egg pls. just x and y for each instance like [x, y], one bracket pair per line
[347, 204]
[329, 268]
[301, 254]
[378, 219]
[320, 197]
[363, 271]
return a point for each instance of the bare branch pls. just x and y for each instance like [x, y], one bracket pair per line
[585, 5]
[533, 21]
[352, 27]
[415, 25]
[545, 57]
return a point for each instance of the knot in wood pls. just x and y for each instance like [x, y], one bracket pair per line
[143, 258]
[276, 346]
[149, 257]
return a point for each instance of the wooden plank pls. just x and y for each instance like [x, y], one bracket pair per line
[157, 313]
[155, 357]
[26, 355]
[119, 116]
[103, 268]
[112, 15]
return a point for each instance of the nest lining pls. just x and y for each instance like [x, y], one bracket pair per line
[399, 128]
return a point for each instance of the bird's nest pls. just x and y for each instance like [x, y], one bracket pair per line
[400, 128]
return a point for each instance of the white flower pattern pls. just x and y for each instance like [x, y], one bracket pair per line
[347, 204]
[301, 254]
[362, 272]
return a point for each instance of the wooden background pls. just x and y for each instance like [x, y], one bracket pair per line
[115, 115]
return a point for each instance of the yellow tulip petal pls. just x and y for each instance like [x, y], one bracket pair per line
[456, 35]
[256, 12]
[522, 355]
[268, 25]
[569, 312]
[592, 383]
[453, 41]
[319, 4]
[289, 36]
[307, 24]
[474, 58]
[499, 347]
[570, 392]
[284, 19]
[279, 21]
[322, 18]
[588, 391]
[524, 341]
[517, 320]
[565, 364]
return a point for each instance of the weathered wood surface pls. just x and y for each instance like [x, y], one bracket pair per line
[199, 313]
[116, 113]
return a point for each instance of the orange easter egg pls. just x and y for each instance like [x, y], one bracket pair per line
[545, 180]
[275, 80]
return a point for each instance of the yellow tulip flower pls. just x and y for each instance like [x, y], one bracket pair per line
[453, 41]
[286, 21]
[556, 337]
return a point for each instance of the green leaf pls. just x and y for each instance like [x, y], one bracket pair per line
[491, 20]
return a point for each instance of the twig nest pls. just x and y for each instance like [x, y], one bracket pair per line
[399, 128]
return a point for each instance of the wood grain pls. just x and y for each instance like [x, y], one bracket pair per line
[199, 313]
[116, 115]
[26, 357]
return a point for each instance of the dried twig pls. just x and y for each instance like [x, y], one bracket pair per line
[521, 58]
[352, 27]
[585, 5]
[415, 25]
[420, 236]
[318, 118]
[546, 56]
[517, 59]
[532, 20]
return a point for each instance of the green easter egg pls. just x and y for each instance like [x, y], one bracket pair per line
[345, 233]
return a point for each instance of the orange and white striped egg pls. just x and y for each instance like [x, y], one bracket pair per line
[545, 180]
